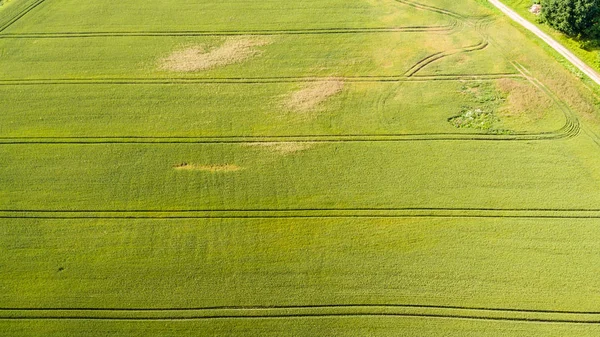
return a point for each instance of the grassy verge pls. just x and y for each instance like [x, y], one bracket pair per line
[589, 56]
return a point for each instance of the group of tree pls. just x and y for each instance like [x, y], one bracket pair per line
[576, 18]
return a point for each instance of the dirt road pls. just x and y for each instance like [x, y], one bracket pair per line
[591, 73]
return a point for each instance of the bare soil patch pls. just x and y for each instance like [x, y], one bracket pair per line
[310, 97]
[196, 58]
[208, 168]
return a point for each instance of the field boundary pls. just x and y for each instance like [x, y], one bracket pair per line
[274, 312]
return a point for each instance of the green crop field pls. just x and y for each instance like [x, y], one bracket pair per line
[292, 168]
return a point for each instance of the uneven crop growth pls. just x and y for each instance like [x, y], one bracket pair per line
[292, 168]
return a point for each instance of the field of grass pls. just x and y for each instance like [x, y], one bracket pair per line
[278, 168]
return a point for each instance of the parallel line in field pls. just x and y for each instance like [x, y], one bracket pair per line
[255, 80]
[20, 15]
[305, 306]
[491, 209]
[289, 312]
[541, 217]
[570, 129]
[316, 315]
[315, 31]
[193, 141]
[566, 132]
[433, 9]
[300, 138]
[305, 213]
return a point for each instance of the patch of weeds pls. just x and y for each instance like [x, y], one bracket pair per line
[482, 93]
[481, 116]
[475, 119]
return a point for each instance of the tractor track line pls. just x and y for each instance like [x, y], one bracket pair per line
[253, 80]
[241, 217]
[307, 306]
[437, 56]
[492, 138]
[569, 130]
[458, 209]
[432, 9]
[308, 315]
[281, 312]
[315, 31]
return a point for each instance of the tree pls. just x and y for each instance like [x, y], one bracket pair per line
[576, 18]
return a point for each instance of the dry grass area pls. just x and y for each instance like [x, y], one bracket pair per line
[208, 168]
[310, 97]
[524, 100]
[285, 147]
[196, 58]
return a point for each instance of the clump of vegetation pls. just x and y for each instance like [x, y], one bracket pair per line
[580, 19]
[482, 115]
[474, 119]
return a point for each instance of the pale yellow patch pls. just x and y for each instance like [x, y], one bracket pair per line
[284, 148]
[310, 97]
[524, 100]
[195, 58]
[208, 168]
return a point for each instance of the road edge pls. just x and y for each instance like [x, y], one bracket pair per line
[562, 50]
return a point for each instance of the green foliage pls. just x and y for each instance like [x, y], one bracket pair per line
[579, 18]
[482, 115]
[474, 118]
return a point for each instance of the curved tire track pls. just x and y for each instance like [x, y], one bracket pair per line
[433, 9]
[439, 55]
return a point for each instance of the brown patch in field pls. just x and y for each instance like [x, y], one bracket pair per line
[284, 148]
[461, 58]
[208, 168]
[313, 95]
[474, 91]
[524, 99]
[195, 58]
